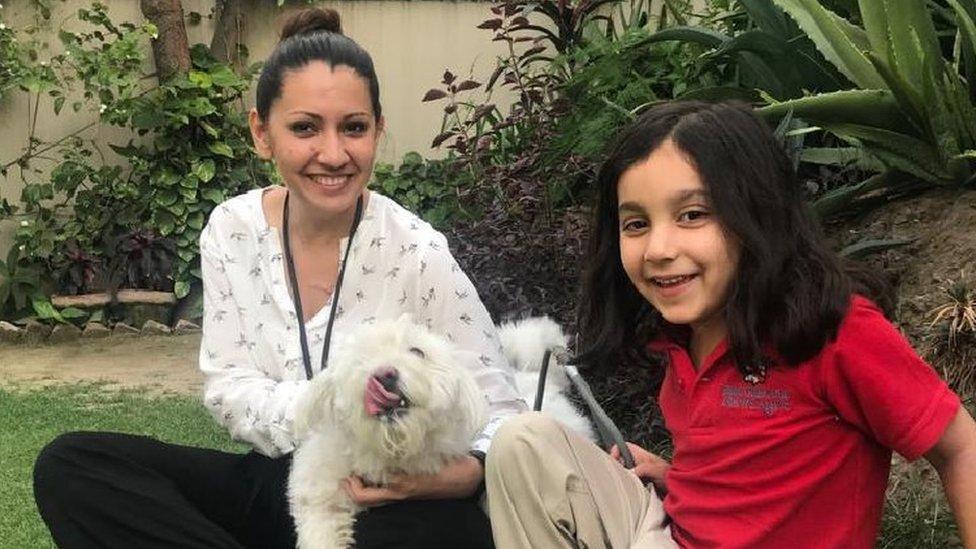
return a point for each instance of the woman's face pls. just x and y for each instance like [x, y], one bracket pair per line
[321, 134]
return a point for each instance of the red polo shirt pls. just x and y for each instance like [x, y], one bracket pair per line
[801, 459]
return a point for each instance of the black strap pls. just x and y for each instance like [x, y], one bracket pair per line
[296, 297]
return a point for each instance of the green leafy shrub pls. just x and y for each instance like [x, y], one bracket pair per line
[430, 188]
[188, 151]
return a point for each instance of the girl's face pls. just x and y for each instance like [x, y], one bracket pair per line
[671, 244]
[321, 134]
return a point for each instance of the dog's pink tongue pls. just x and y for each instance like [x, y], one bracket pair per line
[378, 399]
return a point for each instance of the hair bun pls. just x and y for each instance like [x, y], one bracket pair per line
[311, 20]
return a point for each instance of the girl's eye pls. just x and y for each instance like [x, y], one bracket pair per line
[418, 352]
[633, 225]
[692, 216]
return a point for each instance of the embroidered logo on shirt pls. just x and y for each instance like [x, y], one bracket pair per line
[769, 401]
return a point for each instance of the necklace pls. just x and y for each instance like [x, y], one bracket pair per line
[296, 298]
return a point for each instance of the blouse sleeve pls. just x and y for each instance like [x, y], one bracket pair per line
[449, 305]
[254, 407]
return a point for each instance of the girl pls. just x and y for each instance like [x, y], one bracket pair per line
[284, 268]
[785, 389]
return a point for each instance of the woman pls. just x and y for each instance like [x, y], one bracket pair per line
[286, 269]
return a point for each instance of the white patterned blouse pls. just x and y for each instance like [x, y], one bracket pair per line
[250, 353]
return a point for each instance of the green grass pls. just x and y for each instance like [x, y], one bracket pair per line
[916, 514]
[31, 417]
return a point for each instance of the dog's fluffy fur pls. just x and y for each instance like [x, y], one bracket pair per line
[444, 410]
[525, 343]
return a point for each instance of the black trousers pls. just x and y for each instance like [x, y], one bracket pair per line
[115, 490]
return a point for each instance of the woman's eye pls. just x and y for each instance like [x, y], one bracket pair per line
[302, 128]
[356, 128]
[418, 352]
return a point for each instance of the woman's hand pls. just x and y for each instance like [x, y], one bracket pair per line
[459, 479]
[647, 466]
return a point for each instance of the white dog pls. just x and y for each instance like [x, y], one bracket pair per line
[393, 400]
[525, 343]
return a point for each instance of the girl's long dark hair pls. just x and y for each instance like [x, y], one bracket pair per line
[791, 290]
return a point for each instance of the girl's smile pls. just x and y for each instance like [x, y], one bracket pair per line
[672, 247]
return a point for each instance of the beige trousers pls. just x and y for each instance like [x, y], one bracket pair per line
[550, 488]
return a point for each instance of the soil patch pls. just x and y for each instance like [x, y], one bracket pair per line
[161, 365]
[942, 226]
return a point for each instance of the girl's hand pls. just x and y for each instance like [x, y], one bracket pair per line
[459, 479]
[647, 466]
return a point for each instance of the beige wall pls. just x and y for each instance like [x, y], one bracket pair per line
[412, 43]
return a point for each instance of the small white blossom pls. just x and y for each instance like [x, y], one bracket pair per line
[24, 223]
[2, 26]
[22, 247]
[43, 63]
[102, 108]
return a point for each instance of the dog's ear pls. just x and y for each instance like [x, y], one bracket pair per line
[312, 405]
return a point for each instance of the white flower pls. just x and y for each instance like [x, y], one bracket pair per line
[2, 26]
[24, 223]
[43, 63]
[22, 247]
[102, 108]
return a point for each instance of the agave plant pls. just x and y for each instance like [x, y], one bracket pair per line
[912, 109]
[769, 53]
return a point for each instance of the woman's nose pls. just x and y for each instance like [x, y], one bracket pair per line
[331, 150]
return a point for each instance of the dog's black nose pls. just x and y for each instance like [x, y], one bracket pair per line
[388, 379]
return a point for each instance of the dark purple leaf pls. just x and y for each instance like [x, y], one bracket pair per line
[448, 78]
[492, 24]
[467, 85]
[494, 76]
[441, 138]
[433, 95]
[481, 111]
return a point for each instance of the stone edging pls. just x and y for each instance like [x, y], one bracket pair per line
[35, 332]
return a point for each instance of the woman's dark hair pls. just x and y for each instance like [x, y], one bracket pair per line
[313, 34]
[790, 291]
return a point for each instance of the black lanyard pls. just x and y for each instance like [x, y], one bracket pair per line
[293, 279]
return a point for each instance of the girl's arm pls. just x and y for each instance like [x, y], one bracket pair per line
[954, 457]
[647, 466]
